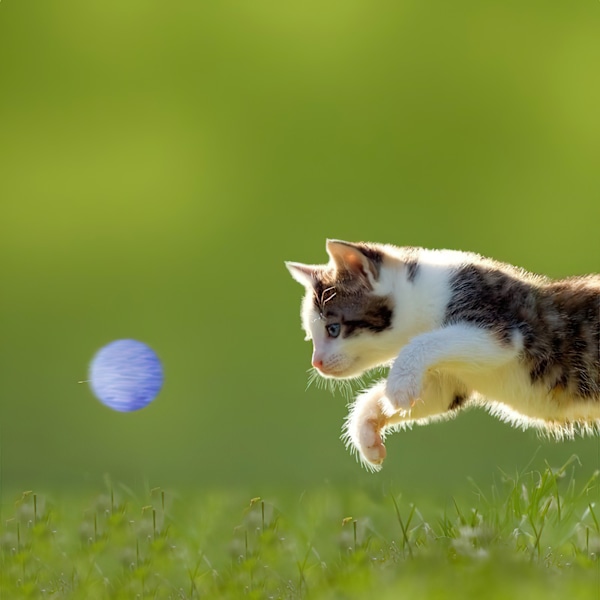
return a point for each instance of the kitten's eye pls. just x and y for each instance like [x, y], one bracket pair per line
[333, 329]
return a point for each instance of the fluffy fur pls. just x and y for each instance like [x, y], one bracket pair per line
[456, 330]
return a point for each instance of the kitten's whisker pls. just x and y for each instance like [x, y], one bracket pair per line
[346, 387]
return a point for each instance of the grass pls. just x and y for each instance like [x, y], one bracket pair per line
[533, 535]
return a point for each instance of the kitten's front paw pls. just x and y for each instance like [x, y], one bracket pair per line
[401, 393]
[364, 426]
[370, 444]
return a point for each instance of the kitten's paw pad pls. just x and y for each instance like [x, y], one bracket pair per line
[370, 443]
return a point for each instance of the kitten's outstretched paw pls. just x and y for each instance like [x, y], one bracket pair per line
[364, 426]
[401, 394]
[370, 444]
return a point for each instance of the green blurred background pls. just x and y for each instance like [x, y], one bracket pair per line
[159, 162]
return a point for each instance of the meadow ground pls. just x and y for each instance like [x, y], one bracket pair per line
[531, 535]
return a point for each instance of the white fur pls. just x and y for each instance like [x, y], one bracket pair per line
[462, 349]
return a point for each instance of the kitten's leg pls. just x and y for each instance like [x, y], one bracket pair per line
[363, 427]
[461, 346]
[366, 424]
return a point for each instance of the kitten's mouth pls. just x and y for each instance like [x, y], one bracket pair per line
[324, 372]
[334, 371]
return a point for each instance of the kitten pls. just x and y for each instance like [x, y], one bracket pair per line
[456, 330]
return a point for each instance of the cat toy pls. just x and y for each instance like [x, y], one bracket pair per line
[126, 375]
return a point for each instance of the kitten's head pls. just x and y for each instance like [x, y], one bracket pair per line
[346, 311]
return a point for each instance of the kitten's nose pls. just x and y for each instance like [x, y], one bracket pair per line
[317, 362]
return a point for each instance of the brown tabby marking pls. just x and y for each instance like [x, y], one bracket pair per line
[349, 301]
[559, 322]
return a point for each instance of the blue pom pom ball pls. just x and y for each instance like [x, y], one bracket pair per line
[126, 375]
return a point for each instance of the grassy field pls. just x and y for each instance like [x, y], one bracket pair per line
[533, 535]
[160, 162]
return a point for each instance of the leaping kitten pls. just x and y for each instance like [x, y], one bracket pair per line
[457, 329]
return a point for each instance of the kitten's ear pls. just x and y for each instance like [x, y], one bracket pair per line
[358, 259]
[304, 274]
